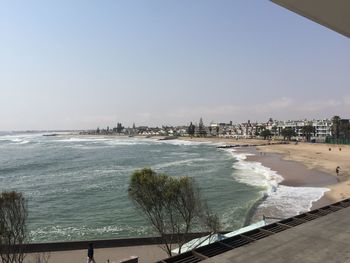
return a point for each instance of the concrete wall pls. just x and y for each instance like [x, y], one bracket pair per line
[102, 243]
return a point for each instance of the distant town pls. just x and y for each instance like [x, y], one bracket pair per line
[309, 130]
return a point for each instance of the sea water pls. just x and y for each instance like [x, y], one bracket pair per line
[77, 186]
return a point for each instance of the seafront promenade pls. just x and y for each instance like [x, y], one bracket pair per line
[147, 249]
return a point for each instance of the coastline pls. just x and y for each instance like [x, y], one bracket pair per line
[295, 174]
[321, 158]
[300, 165]
[314, 163]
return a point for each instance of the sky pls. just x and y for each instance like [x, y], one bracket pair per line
[83, 64]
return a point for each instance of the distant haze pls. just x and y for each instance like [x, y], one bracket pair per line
[83, 64]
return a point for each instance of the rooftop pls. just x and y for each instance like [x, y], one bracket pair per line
[333, 14]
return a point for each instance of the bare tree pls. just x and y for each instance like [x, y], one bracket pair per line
[172, 205]
[13, 217]
[41, 258]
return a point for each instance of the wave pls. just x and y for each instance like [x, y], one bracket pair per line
[180, 162]
[278, 200]
[130, 141]
[19, 141]
[289, 201]
[103, 141]
[14, 140]
[182, 142]
[115, 169]
[254, 173]
[63, 233]
[74, 139]
[22, 138]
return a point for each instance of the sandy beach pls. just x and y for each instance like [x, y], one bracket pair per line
[310, 164]
[322, 158]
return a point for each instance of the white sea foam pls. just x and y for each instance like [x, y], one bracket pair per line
[104, 141]
[254, 173]
[22, 138]
[20, 141]
[181, 142]
[125, 142]
[289, 201]
[74, 139]
[284, 201]
[73, 232]
[180, 162]
[14, 139]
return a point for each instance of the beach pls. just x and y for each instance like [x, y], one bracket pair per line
[302, 164]
[322, 158]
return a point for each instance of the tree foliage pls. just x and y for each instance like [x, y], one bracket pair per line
[120, 127]
[346, 130]
[288, 133]
[274, 130]
[265, 134]
[191, 129]
[201, 128]
[172, 205]
[336, 126]
[340, 128]
[13, 231]
[307, 131]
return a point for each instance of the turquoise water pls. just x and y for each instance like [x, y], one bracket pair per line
[76, 187]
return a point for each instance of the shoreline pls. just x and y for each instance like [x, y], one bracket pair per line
[322, 159]
[313, 171]
[280, 158]
[295, 174]
[315, 163]
[300, 165]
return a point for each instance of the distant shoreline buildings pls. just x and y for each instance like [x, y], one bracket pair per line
[318, 130]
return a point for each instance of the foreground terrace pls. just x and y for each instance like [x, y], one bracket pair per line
[321, 235]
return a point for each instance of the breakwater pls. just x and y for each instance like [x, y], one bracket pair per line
[248, 145]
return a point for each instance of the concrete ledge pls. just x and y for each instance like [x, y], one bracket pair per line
[132, 259]
[102, 243]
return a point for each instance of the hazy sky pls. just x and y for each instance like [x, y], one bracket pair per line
[83, 64]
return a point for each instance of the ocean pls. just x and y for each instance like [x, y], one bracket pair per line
[77, 186]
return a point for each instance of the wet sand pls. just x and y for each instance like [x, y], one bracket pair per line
[295, 174]
[323, 158]
[312, 162]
